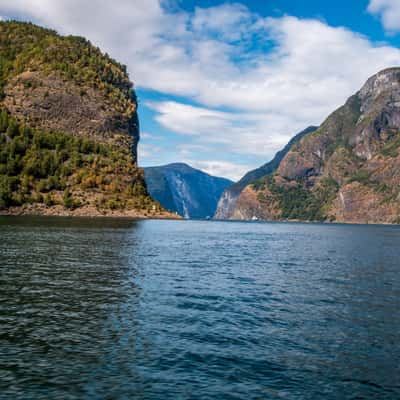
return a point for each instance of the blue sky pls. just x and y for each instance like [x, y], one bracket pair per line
[224, 85]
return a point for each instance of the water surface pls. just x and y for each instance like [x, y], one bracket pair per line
[117, 309]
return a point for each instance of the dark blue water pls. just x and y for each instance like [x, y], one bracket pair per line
[108, 309]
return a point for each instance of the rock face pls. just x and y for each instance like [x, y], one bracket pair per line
[68, 128]
[185, 190]
[51, 103]
[227, 204]
[348, 170]
[64, 84]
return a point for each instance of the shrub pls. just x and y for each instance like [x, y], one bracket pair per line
[34, 163]
[361, 176]
[48, 200]
[68, 201]
[5, 193]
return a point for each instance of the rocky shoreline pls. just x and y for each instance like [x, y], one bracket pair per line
[88, 211]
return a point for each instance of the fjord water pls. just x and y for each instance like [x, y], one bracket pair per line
[117, 309]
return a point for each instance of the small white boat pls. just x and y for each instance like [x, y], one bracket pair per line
[254, 218]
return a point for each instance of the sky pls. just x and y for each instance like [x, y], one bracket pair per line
[223, 85]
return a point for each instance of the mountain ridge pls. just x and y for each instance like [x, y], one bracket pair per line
[348, 170]
[227, 202]
[180, 188]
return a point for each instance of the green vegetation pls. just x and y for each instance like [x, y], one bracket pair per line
[337, 146]
[298, 202]
[365, 178]
[391, 149]
[260, 184]
[337, 128]
[57, 168]
[27, 47]
[66, 169]
[325, 193]
[362, 176]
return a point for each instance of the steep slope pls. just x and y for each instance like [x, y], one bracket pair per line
[185, 190]
[227, 202]
[348, 170]
[68, 128]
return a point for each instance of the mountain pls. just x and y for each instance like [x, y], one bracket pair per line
[227, 202]
[68, 128]
[185, 190]
[348, 170]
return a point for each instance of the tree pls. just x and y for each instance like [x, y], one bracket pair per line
[68, 200]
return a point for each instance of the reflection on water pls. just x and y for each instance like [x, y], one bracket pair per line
[65, 288]
[118, 309]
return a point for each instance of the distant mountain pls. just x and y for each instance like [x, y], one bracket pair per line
[188, 191]
[227, 202]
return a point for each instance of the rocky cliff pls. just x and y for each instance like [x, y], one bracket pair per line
[348, 170]
[227, 203]
[68, 128]
[188, 191]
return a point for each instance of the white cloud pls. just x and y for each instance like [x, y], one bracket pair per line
[150, 136]
[188, 150]
[275, 75]
[225, 169]
[241, 133]
[310, 69]
[146, 135]
[187, 119]
[149, 151]
[229, 22]
[388, 11]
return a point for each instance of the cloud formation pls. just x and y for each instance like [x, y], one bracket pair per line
[244, 81]
[388, 11]
[241, 132]
[233, 171]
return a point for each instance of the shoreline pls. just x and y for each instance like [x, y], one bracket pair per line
[84, 212]
[299, 221]
[93, 213]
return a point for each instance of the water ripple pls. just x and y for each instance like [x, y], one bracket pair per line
[115, 309]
